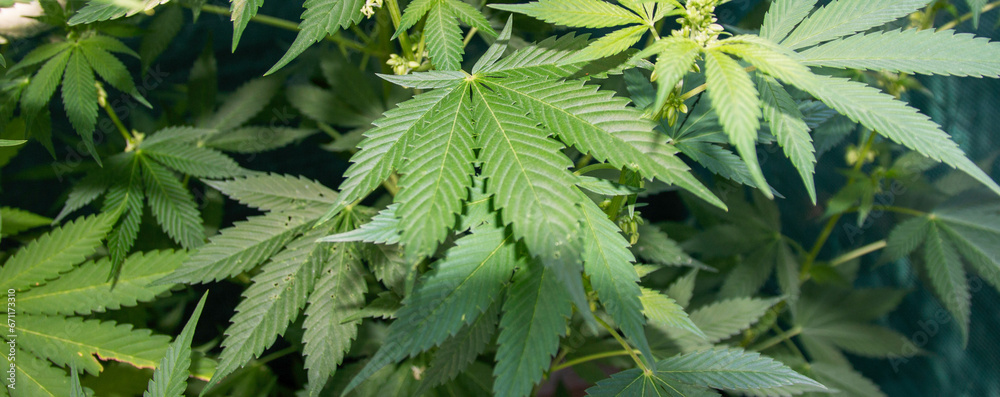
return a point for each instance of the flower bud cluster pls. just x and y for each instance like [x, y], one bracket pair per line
[369, 8]
[699, 22]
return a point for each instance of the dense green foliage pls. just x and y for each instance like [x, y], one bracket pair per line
[488, 232]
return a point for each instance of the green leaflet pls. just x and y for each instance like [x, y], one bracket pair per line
[737, 102]
[110, 69]
[548, 58]
[612, 43]
[80, 99]
[242, 11]
[691, 374]
[256, 139]
[382, 150]
[172, 205]
[273, 192]
[126, 196]
[597, 123]
[436, 177]
[664, 311]
[274, 300]
[783, 16]
[844, 17]
[193, 160]
[829, 325]
[73, 64]
[538, 299]
[426, 80]
[977, 10]
[496, 49]
[863, 340]
[461, 286]
[731, 369]
[721, 320]
[787, 124]
[55, 252]
[576, 13]
[170, 377]
[167, 23]
[655, 246]
[459, 351]
[946, 235]
[444, 38]
[385, 306]
[749, 276]
[864, 104]
[37, 377]
[44, 83]
[16, 221]
[339, 293]
[71, 340]
[948, 278]
[471, 16]
[541, 215]
[96, 11]
[719, 161]
[382, 229]
[241, 247]
[634, 383]
[675, 58]
[682, 289]
[86, 289]
[523, 155]
[608, 262]
[910, 51]
[905, 125]
[244, 103]
[321, 18]
[845, 379]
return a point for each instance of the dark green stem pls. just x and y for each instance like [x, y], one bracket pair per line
[828, 229]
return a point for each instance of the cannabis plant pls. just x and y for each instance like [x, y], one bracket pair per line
[485, 213]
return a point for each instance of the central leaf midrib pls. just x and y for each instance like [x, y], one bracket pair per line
[517, 157]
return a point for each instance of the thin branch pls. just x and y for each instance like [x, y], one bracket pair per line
[592, 357]
[858, 253]
[968, 16]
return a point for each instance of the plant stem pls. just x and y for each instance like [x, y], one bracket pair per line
[694, 91]
[828, 229]
[858, 253]
[898, 210]
[261, 19]
[968, 16]
[592, 357]
[289, 25]
[391, 184]
[468, 36]
[276, 355]
[118, 123]
[624, 344]
[777, 339]
[404, 39]
[594, 167]
[701, 88]
[583, 162]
